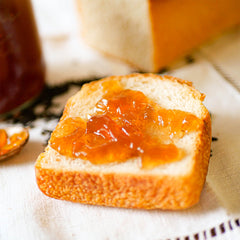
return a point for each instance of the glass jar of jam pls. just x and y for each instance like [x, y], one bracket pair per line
[22, 69]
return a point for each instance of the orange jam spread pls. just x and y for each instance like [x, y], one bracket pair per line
[126, 124]
[8, 143]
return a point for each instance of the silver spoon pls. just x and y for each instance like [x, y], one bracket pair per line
[14, 148]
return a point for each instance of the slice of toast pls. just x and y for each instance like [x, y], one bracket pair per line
[174, 185]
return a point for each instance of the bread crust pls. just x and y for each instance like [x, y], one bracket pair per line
[131, 190]
[196, 23]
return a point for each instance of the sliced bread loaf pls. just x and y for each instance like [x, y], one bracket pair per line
[150, 34]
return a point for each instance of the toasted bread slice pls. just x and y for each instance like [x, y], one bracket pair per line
[175, 185]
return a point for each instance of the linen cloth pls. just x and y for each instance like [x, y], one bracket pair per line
[26, 213]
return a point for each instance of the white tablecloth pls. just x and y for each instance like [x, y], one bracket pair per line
[25, 213]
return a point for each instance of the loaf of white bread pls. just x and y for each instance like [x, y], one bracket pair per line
[170, 185]
[150, 34]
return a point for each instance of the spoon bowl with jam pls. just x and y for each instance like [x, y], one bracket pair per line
[12, 140]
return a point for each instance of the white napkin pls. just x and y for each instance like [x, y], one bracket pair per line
[67, 57]
[224, 54]
[26, 213]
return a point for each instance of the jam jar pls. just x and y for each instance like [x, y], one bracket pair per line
[22, 68]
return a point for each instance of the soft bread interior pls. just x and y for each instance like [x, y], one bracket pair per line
[52, 159]
[114, 31]
[168, 92]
